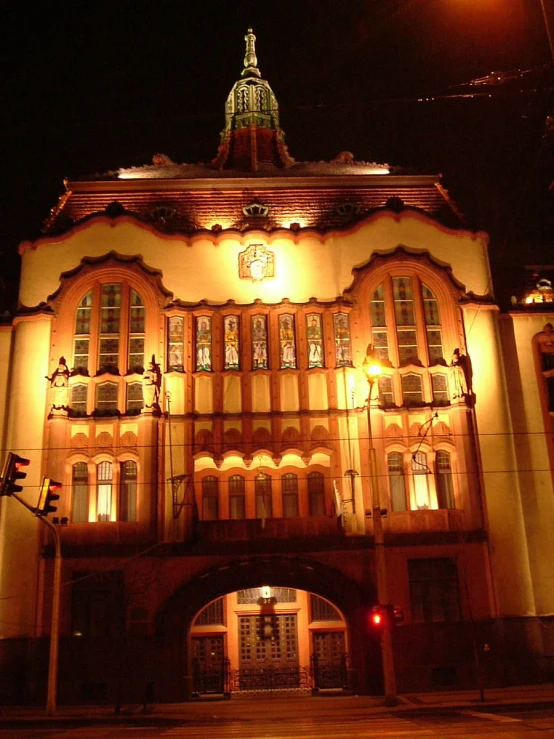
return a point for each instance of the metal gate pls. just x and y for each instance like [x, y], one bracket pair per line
[329, 661]
[210, 669]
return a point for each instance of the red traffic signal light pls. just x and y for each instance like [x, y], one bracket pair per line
[11, 473]
[47, 496]
[377, 618]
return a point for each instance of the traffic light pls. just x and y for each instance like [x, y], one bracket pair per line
[47, 496]
[397, 615]
[11, 474]
[377, 619]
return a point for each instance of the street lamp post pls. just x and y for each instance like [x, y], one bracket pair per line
[372, 370]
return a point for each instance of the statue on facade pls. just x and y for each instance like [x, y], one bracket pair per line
[462, 375]
[59, 386]
[151, 383]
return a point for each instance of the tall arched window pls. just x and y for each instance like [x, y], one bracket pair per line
[262, 488]
[316, 493]
[289, 488]
[128, 491]
[109, 331]
[445, 483]
[420, 475]
[210, 498]
[104, 491]
[397, 482]
[79, 492]
[237, 498]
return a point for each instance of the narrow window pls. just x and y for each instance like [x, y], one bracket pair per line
[106, 399]
[231, 339]
[379, 324]
[420, 474]
[412, 390]
[397, 482]
[78, 402]
[203, 343]
[259, 343]
[128, 492]
[237, 500]
[176, 344]
[135, 400]
[316, 493]
[440, 390]
[262, 485]
[434, 591]
[405, 321]
[432, 325]
[136, 333]
[314, 334]
[81, 340]
[210, 498]
[104, 491]
[287, 345]
[445, 483]
[289, 488]
[110, 315]
[79, 493]
[343, 355]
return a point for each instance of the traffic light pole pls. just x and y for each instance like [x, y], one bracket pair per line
[389, 675]
[51, 696]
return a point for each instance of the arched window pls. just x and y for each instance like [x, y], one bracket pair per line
[397, 482]
[128, 491]
[289, 488]
[104, 491]
[316, 494]
[420, 474]
[445, 484]
[110, 337]
[210, 498]
[262, 488]
[79, 493]
[237, 499]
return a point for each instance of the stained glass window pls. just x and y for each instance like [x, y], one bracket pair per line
[106, 398]
[412, 390]
[81, 341]
[287, 346]
[343, 352]
[314, 334]
[405, 320]
[203, 343]
[386, 395]
[78, 401]
[135, 400]
[432, 325]
[136, 333]
[259, 342]
[232, 344]
[440, 389]
[176, 344]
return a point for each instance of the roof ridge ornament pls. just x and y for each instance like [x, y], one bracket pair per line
[250, 60]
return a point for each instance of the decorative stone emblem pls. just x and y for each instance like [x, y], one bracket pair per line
[256, 263]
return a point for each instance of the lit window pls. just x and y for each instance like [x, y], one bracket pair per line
[314, 334]
[379, 324]
[287, 346]
[289, 488]
[262, 486]
[79, 493]
[204, 343]
[343, 353]
[231, 341]
[397, 482]
[210, 498]
[316, 494]
[259, 342]
[445, 484]
[104, 491]
[128, 492]
[176, 344]
[420, 475]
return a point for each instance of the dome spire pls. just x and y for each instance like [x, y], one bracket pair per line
[250, 60]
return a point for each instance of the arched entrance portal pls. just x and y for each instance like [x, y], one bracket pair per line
[266, 636]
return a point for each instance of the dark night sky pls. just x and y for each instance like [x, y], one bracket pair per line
[98, 85]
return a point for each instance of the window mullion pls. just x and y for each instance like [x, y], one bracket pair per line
[421, 328]
[392, 332]
[94, 348]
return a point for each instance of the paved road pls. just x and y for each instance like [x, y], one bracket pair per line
[447, 724]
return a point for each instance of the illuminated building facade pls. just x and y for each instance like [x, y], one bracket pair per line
[186, 360]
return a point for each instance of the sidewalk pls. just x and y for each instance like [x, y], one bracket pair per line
[293, 704]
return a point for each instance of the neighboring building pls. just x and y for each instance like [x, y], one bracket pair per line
[203, 330]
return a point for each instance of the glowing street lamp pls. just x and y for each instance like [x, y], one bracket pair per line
[372, 369]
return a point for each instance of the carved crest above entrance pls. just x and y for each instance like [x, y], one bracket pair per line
[256, 263]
